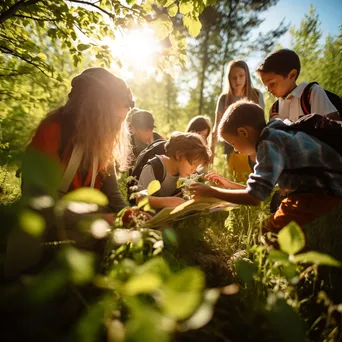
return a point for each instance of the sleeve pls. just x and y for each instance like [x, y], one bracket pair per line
[47, 139]
[110, 188]
[146, 177]
[270, 165]
[320, 102]
[220, 104]
[261, 99]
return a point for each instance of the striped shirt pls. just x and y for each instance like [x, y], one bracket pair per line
[296, 162]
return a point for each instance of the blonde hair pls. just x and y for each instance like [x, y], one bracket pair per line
[189, 145]
[249, 92]
[88, 118]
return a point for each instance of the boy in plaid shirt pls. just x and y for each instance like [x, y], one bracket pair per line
[307, 168]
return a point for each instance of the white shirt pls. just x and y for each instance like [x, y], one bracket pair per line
[290, 108]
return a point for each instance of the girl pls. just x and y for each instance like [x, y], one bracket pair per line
[201, 125]
[184, 153]
[239, 86]
[87, 132]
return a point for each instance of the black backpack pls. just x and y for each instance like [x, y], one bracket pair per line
[305, 101]
[147, 156]
[319, 126]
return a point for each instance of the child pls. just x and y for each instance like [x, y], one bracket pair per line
[279, 72]
[239, 86]
[310, 169]
[184, 153]
[201, 125]
[89, 127]
[141, 123]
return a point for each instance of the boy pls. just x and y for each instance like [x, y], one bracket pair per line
[141, 123]
[279, 72]
[303, 165]
[184, 153]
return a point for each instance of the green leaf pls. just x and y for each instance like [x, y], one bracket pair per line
[246, 269]
[291, 239]
[162, 26]
[87, 195]
[193, 25]
[290, 271]
[142, 283]
[204, 313]
[81, 265]
[276, 255]
[153, 187]
[155, 265]
[182, 293]
[31, 222]
[82, 47]
[41, 172]
[317, 258]
[185, 7]
[173, 10]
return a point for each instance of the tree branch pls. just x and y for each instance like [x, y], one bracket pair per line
[13, 9]
[93, 5]
[33, 18]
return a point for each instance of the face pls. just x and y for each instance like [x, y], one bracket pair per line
[204, 134]
[278, 85]
[121, 108]
[145, 135]
[237, 79]
[242, 142]
[185, 168]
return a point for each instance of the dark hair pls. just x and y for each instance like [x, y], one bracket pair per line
[190, 145]
[280, 62]
[239, 114]
[199, 123]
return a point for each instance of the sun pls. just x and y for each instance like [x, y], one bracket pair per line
[137, 49]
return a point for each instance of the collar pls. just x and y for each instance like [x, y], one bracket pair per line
[297, 92]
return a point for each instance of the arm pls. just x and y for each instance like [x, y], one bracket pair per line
[241, 196]
[164, 202]
[221, 181]
[111, 189]
[321, 104]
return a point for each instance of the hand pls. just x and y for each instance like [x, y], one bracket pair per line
[218, 179]
[201, 190]
[174, 201]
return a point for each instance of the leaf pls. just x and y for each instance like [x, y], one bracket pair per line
[87, 195]
[153, 187]
[204, 313]
[82, 47]
[173, 10]
[142, 283]
[162, 26]
[276, 255]
[317, 258]
[81, 265]
[193, 25]
[290, 271]
[182, 293]
[291, 239]
[31, 222]
[155, 265]
[41, 172]
[185, 7]
[143, 202]
[246, 269]
[285, 320]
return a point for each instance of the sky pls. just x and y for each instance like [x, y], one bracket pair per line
[329, 11]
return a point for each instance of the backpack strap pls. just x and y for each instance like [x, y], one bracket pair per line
[73, 165]
[158, 168]
[305, 98]
[274, 109]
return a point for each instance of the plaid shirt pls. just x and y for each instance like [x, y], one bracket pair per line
[296, 161]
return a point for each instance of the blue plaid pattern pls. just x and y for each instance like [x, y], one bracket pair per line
[296, 162]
